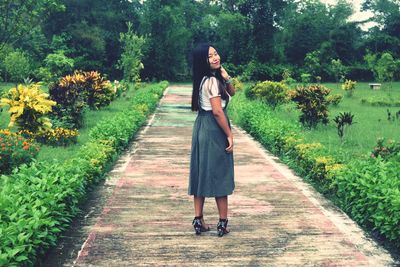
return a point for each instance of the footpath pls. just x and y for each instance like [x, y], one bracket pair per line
[143, 215]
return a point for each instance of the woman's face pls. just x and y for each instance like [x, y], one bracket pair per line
[214, 59]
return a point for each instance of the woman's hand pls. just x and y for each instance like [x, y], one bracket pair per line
[224, 74]
[229, 149]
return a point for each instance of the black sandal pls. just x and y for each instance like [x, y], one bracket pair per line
[221, 227]
[198, 225]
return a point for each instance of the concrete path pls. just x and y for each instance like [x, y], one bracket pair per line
[275, 218]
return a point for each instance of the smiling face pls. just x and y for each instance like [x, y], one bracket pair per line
[213, 58]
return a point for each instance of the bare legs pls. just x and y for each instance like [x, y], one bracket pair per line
[222, 204]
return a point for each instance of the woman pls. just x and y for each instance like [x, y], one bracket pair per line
[211, 164]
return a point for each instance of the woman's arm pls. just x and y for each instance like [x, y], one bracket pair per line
[229, 87]
[222, 121]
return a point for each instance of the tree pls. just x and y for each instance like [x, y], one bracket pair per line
[167, 42]
[18, 17]
[131, 57]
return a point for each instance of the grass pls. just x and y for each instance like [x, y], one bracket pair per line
[360, 138]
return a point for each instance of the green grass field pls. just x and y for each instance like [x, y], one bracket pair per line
[360, 138]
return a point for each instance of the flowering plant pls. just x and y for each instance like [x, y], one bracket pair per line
[15, 150]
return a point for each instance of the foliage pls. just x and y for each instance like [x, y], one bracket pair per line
[271, 93]
[22, 16]
[54, 137]
[311, 101]
[305, 78]
[382, 101]
[56, 65]
[349, 86]
[15, 150]
[334, 100]
[383, 67]
[131, 57]
[74, 92]
[386, 150]
[237, 84]
[341, 120]
[312, 63]
[27, 106]
[369, 192]
[338, 69]
[17, 66]
[287, 77]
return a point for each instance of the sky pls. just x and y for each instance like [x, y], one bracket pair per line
[358, 15]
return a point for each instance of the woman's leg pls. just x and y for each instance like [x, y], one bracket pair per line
[198, 205]
[222, 204]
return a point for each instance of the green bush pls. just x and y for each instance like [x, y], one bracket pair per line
[57, 65]
[311, 101]
[271, 93]
[334, 100]
[369, 191]
[38, 201]
[17, 66]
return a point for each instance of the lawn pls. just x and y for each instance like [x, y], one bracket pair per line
[370, 124]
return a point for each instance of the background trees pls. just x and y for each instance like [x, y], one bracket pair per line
[259, 38]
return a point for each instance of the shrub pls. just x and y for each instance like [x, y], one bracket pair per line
[54, 137]
[74, 92]
[17, 66]
[312, 102]
[271, 93]
[386, 151]
[237, 84]
[56, 65]
[334, 99]
[15, 150]
[368, 190]
[305, 78]
[349, 86]
[28, 105]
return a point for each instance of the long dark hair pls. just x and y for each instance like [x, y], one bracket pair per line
[201, 68]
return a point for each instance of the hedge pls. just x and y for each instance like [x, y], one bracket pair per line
[39, 200]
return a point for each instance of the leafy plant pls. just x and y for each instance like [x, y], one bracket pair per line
[343, 119]
[334, 99]
[57, 64]
[131, 57]
[311, 101]
[349, 86]
[75, 92]
[386, 151]
[271, 93]
[15, 150]
[27, 106]
[17, 66]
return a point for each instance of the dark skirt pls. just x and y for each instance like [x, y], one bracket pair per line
[211, 167]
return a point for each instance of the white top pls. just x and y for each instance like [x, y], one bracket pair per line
[208, 90]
